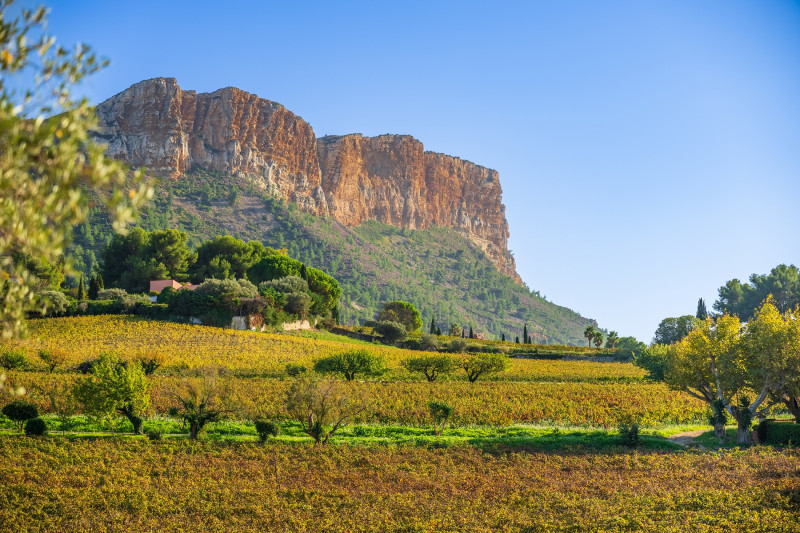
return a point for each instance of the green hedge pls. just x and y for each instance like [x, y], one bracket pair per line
[772, 432]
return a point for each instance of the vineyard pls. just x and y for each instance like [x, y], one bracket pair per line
[104, 486]
[532, 448]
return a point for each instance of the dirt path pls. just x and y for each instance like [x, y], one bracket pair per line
[687, 438]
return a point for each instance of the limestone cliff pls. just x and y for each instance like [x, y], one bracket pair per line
[389, 178]
[158, 125]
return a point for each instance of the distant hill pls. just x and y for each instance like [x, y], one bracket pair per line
[438, 269]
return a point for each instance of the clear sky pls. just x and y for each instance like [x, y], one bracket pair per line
[648, 151]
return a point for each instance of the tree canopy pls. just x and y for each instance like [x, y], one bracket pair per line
[671, 330]
[402, 312]
[742, 299]
[50, 166]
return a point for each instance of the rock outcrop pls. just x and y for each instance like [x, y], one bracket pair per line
[158, 125]
[352, 178]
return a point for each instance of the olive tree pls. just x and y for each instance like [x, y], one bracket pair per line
[203, 401]
[430, 365]
[350, 363]
[320, 407]
[479, 364]
[50, 166]
[114, 387]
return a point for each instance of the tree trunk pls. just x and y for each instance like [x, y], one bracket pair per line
[719, 432]
[743, 435]
[136, 422]
[194, 429]
[793, 407]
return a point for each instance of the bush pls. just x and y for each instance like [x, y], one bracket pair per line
[350, 363]
[19, 411]
[440, 414]
[155, 434]
[285, 285]
[457, 346]
[35, 427]
[629, 435]
[13, 359]
[55, 303]
[773, 432]
[294, 370]
[267, 429]
[298, 303]
[391, 332]
[86, 366]
[428, 342]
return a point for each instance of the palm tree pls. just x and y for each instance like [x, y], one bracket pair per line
[590, 333]
[612, 339]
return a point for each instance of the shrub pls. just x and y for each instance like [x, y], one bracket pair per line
[294, 370]
[428, 342]
[35, 427]
[440, 414]
[457, 346]
[629, 435]
[13, 359]
[112, 294]
[86, 366]
[267, 429]
[155, 434]
[55, 303]
[298, 303]
[19, 411]
[773, 432]
[285, 285]
[391, 332]
[350, 363]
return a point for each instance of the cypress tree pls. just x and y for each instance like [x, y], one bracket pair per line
[303, 272]
[702, 312]
[100, 281]
[516, 339]
[504, 337]
[525, 334]
[433, 325]
[471, 336]
[81, 290]
[94, 287]
[439, 331]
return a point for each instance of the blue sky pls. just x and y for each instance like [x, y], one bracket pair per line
[648, 151]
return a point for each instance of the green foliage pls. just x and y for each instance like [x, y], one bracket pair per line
[629, 435]
[742, 299]
[430, 365]
[428, 342]
[483, 363]
[13, 359]
[19, 411]
[267, 429]
[96, 284]
[671, 330]
[132, 261]
[612, 339]
[35, 427]
[114, 387]
[81, 290]
[390, 331]
[402, 312]
[702, 312]
[351, 363]
[457, 346]
[298, 303]
[50, 166]
[225, 257]
[155, 434]
[54, 303]
[654, 359]
[294, 370]
[52, 357]
[440, 414]
[782, 433]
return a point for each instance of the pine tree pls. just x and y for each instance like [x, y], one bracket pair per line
[303, 272]
[81, 290]
[702, 312]
[525, 334]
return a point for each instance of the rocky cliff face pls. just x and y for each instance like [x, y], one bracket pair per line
[158, 125]
[352, 178]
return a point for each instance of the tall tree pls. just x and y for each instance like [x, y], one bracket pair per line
[671, 330]
[590, 334]
[742, 299]
[81, 290]
[702, 312]
[402, 312]
[612, 339]
[525, 334]
[49, 166]
[433, 325]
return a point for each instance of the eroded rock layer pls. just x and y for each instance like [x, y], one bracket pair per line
[352, 178]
